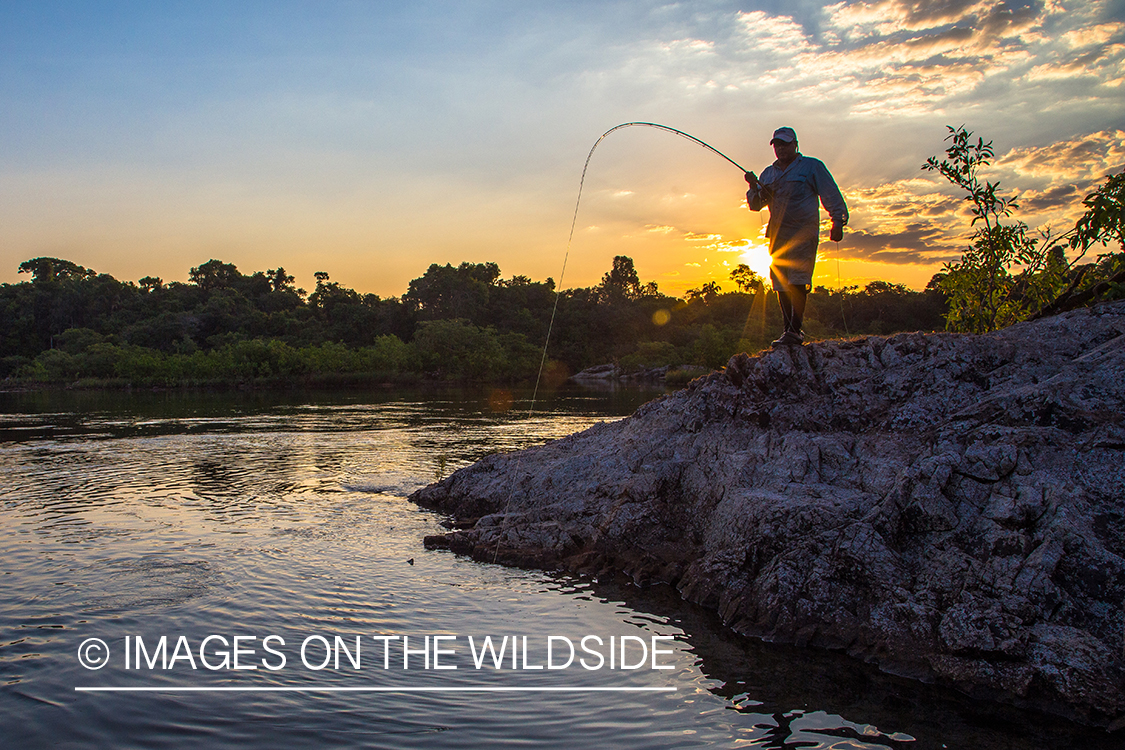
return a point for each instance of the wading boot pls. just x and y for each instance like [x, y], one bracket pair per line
[790, 338]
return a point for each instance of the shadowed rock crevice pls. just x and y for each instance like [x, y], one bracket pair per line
[949, 507]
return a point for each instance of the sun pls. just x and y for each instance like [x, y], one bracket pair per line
[757, 257]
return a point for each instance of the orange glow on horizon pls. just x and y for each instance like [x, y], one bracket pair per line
[757, 257]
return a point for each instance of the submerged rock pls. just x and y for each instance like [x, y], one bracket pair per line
[949, 507]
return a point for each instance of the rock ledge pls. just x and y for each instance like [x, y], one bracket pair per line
[949, 507]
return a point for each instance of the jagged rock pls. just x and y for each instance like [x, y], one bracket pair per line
[597, 373]
[950, 507]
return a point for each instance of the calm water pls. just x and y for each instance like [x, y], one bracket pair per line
[233, 515]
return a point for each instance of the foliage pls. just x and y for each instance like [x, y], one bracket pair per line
[1007, 274]
[746, 279]
[458, 350]
[46, 270]
[72, 325]
[1104, 220]
[621, 283]
[447, 292]
[984, 293]
[707, 293]
[880, 308]
[214, 274]
[254, 360]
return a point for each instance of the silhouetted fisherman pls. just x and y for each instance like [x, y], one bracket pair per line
[792, 187]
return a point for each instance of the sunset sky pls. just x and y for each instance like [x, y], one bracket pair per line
[371, 139]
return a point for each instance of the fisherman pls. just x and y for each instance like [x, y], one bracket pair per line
[791, 187]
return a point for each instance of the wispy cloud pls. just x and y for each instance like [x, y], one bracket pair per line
[893, 61]
[1093, 35]
[1086, 157]
[895, 57]
[922, 220]
[476, 117]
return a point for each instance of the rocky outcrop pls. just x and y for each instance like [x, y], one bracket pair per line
[604, 374]
[597, 373]
[950, 507]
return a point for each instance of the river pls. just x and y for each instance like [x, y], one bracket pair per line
[222, 570]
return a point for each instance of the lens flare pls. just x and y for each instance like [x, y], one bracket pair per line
[757, 257]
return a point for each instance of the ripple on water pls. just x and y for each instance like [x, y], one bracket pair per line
[146, 583]
[203, 514]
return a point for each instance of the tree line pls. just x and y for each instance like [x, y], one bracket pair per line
[72, 325]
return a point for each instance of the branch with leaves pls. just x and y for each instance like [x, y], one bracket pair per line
[1007, 274]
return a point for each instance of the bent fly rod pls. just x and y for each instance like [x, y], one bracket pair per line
[566, 256]
[658, 126]
[574, 222]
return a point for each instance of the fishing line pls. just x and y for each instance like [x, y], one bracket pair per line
[839, 284]
[566, 257]
[574, 223]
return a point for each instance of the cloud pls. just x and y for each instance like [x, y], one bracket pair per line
[767, 33]
[1086, 157]
[1008, 19]
[893, 205]
[922, 220]
[1045, 75]
[486, 106]
[893, 62]
[1055, 198]
[918, 243]
[891, 57]
[864, 20]
[1092, 35]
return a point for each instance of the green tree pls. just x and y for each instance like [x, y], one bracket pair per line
[1104, 220]
[51, 269]
[458, 350]
[447, 292]
[214, 274]
[280, 281]
[708, 293]
[329, 294]
[746, 279]
[984, 293]
[621, 283]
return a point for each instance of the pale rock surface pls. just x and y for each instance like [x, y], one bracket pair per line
[950, 507]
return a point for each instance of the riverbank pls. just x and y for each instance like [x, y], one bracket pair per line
[947, 507]
[321, 381]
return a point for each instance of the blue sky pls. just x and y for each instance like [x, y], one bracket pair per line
[370, 139]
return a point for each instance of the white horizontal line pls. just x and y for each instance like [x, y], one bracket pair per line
[284, 689]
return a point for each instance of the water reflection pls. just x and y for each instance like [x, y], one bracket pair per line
[195, 514]
[796, 697]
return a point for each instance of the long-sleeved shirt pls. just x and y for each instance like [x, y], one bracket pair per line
[793, 196]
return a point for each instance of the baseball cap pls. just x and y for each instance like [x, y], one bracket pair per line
[785, 135]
